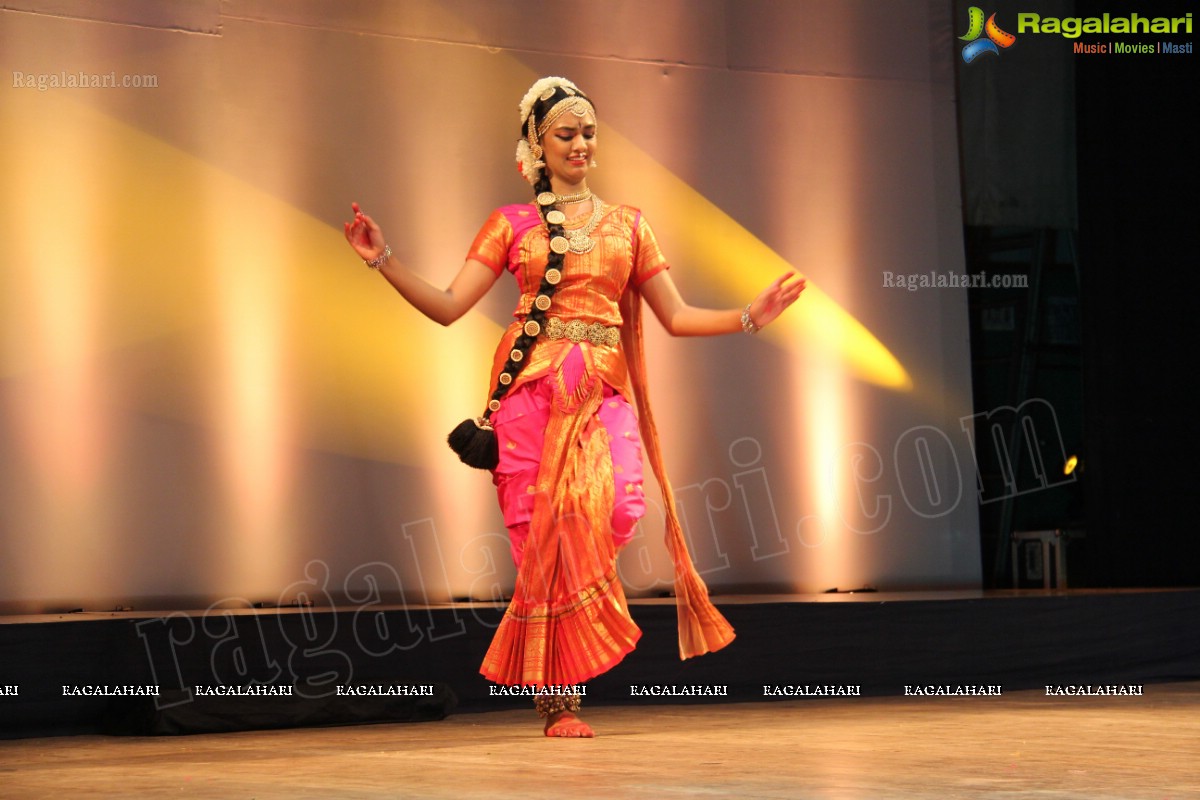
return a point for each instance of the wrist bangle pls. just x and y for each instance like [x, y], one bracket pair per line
[748, 324]
[381, 259]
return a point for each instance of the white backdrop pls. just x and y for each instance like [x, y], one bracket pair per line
[205, 397]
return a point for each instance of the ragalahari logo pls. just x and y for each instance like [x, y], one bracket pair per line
[996, 38]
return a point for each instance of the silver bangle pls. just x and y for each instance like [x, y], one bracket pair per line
[381, 259]
[748, 325]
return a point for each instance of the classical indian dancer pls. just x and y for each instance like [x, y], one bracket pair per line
[568, 418]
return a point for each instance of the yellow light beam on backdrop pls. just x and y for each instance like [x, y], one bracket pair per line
[157, 318]
[352, 346]
[739, 264]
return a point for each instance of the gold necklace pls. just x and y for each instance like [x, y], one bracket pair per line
[550, 198]
[579, 241]
[578, 197]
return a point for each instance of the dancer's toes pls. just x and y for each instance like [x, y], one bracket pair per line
[568, 726]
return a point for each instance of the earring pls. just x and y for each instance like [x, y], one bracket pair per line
[594, 164]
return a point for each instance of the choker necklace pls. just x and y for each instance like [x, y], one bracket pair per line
[550, 198]
[579, 241]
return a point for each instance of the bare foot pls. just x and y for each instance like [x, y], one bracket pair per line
[568, 726]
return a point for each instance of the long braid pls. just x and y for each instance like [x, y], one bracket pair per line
[524, 342]
[474, 439]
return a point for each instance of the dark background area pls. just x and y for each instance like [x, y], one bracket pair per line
[1137, 248]
[1112, 344]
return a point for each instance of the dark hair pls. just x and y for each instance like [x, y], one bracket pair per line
[474, 440]
[543, 107]
[554, 263]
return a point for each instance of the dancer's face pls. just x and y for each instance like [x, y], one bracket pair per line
[568, 147]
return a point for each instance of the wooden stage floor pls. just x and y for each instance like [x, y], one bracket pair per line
[1021, 745]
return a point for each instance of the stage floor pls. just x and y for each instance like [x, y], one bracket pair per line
[1016, 746]
[852, 596]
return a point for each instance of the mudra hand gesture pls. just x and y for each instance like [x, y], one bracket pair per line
[772, 301]
[364, 235]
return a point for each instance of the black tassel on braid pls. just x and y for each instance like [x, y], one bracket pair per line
[474, 440]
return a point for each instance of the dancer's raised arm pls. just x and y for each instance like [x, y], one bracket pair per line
[681, 319]
[443, 306]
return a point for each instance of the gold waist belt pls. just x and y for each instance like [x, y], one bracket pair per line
[579, 331]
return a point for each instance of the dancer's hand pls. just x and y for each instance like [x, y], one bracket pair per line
[364, 235]
[772, 301]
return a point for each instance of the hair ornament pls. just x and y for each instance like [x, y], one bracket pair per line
[543, 89]
[529, 165]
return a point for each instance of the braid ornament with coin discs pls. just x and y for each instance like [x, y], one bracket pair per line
[474, 440]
